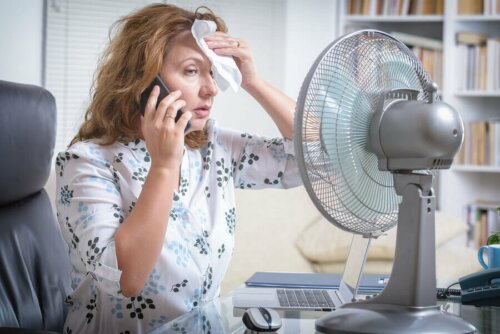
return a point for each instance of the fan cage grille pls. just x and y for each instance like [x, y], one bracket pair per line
[336, 103]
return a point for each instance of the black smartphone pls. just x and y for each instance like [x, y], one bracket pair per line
[163, 93]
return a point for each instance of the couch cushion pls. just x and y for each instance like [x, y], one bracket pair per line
[268, 221]
[447, 270]
[322, 242]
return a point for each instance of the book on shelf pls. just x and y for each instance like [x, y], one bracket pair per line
[426, 7]
[395, 7]
[481, 146]
[479, 7]
[415, 40]
[470, 7]
[479, 62]
[493, 64]
[471, 38]
[360, 7]
[491, 7]
[483, 219]
[428, 50]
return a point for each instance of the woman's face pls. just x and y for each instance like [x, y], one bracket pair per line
[186, 68]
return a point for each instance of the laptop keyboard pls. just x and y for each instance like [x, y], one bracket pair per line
[313, 298]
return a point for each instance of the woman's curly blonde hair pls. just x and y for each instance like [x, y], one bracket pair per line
[138, 45]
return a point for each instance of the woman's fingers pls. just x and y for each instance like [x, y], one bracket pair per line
[164, 138]
[182, 122]
[164, 116]
[223, 44]
[165, 105]
[231, 47]
[226, 45]
[229, 42]
[151, 104]
[218, 34]
[223, 40]
[171, 112]
[231, 51]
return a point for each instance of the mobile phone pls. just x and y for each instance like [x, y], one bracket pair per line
[163, 93]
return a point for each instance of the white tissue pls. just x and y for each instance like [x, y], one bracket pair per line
[226, 73]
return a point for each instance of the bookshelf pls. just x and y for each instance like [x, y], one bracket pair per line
[477, 18]
[394, 18]
[466, 183]
[473, 169]
[477, 94]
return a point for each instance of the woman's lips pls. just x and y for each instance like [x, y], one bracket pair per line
[202, 112]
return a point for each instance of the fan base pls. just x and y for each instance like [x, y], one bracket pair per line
[383, 318]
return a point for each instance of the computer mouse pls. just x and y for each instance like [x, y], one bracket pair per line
[262, 319]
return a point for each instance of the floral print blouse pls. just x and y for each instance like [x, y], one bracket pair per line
[98, 187]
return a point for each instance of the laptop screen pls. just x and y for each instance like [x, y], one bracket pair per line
[353, 268]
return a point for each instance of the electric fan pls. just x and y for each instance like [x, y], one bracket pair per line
[368, 130]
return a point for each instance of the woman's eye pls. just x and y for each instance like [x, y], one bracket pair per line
[191, 71]
[212, 73]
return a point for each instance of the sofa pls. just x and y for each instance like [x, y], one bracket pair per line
[282, 231]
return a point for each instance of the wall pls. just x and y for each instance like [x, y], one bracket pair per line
[21, 35]
[310, 27]
[302, 30]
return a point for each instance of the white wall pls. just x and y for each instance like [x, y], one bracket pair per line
[310, 27]
[303, 28]
[21, 33]
[283, 54]
[261, 23]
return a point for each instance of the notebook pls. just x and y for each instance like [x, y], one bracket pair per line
[367, 284]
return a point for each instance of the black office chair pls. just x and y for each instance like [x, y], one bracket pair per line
[34, 260]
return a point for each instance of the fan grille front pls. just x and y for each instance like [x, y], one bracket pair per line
[337, 101]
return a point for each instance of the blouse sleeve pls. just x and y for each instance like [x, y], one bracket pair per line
[260, 162]
[89, 210]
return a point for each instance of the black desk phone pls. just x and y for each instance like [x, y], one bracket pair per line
[482, 288]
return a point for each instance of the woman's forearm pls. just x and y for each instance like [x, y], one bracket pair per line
[280, 107]
[139, 240]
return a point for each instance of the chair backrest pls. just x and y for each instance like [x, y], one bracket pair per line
[34, 260]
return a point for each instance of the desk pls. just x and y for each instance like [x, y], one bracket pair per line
[218, 317]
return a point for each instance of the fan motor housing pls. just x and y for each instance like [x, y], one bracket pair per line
[413, 135]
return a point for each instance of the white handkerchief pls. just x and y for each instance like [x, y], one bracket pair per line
[226, 73]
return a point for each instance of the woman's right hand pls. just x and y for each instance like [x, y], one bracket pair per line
[146, 224]
[164, 137]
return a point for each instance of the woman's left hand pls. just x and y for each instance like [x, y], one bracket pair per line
[279, 106]
[225, 45]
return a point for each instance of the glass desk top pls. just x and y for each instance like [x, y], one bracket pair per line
[219, 317]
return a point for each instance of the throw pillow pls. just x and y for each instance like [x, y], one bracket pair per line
[322, 242]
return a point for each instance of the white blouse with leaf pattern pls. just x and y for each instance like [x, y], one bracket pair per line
[97, 188]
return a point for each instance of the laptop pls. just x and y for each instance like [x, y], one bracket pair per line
[316, 294]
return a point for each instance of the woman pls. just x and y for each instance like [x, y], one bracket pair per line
[147, 210]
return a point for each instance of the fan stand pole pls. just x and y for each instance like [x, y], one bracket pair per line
[408, 303]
